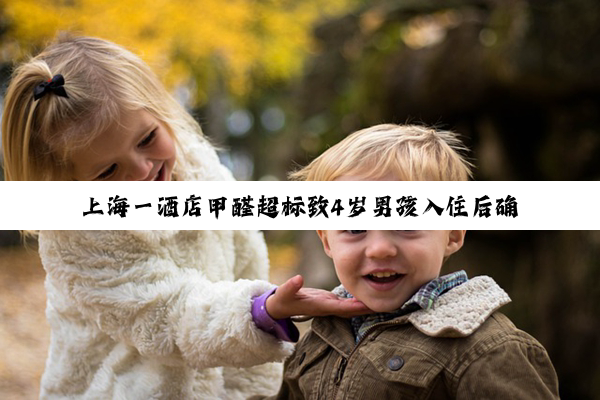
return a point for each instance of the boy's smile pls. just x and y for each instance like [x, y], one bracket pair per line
[383, 269]
[384, 279]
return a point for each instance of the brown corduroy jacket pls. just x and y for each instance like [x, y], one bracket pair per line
[460, 349]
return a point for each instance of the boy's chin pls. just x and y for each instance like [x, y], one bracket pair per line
[382, 307]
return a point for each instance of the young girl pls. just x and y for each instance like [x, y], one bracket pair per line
[142, 314]
[87, 109]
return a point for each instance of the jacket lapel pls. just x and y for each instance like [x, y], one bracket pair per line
[460, 311]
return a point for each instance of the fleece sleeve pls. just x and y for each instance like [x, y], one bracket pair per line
[250, 251]
[132, 290]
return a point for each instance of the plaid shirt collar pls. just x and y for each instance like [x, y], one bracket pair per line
[424, 299]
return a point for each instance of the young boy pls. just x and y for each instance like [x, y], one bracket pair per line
[431, 337]
[391, 152]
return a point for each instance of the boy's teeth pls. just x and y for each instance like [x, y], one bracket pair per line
[383, 274]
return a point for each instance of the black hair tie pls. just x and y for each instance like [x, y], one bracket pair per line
[54, 85]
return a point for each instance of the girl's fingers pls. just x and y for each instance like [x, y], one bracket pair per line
[288, 289]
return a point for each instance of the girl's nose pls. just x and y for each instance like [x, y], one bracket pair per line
[139, 169]
[381, 245]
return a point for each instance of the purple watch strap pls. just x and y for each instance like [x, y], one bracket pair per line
[283, 329]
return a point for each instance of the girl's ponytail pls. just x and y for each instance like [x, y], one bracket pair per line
[21, 120]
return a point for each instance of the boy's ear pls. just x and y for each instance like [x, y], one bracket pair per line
[325, 241]
[455, 242]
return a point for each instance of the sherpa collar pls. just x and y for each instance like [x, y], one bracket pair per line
[458, 312]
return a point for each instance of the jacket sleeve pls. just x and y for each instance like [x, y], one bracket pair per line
[516, 367]
[131, 289]
[302, 369]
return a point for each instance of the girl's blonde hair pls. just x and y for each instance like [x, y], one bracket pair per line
[102, 81]
[407, 152]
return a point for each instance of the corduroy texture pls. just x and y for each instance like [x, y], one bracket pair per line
[459, 349]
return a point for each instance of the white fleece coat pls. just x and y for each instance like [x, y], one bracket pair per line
[198, 160]
[158, 314]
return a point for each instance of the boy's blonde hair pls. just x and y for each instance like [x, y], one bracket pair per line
[407, 152]
[102, 80]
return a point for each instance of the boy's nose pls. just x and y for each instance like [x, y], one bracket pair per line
[381, 245]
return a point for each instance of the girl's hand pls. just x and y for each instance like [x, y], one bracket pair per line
[292, 299]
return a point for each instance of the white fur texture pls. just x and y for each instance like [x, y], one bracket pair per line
[458, 312]
[462, 310]
[197, 160]
[158, 314]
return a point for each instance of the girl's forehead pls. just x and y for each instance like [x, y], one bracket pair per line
[132, 120]
[121, 134]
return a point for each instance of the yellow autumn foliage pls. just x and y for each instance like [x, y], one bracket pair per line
[185, 41]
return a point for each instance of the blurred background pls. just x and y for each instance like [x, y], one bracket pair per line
[275, 82]
[551, 276]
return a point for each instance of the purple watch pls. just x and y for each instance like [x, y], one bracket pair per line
[283, 329]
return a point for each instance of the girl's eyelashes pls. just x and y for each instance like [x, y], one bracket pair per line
[148, 139]
[107, 173]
